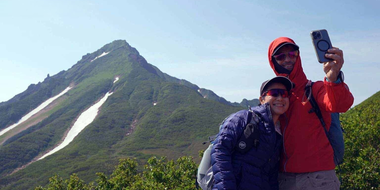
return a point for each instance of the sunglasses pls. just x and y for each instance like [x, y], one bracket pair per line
[276, 92]
[282, 56]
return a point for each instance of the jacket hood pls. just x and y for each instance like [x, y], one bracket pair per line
[297, 76]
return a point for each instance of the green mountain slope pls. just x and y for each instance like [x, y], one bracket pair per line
[149, 113]
[361, 168]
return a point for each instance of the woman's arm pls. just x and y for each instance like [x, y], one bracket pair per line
[221, 156]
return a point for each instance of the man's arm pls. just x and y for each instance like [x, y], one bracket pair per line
[335, 96]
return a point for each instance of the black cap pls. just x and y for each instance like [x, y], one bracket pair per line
[284, 44]
[279, 79]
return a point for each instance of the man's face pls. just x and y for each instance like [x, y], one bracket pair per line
[286, 57]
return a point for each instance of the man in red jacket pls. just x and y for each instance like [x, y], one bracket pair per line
[307, 160]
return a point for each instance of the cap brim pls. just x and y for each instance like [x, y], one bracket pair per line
[279, 79]
[285, 44]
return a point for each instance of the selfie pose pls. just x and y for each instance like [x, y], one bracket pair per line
[246, 152]
[307, 160]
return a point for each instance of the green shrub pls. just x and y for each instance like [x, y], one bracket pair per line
[158, 174]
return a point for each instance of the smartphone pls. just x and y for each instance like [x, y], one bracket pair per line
[322, 43]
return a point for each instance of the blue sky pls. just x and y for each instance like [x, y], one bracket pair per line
[215, 44]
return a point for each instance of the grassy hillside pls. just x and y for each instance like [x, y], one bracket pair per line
[361, 168]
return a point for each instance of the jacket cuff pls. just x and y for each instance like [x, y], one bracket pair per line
[339, 78]
[328, 83]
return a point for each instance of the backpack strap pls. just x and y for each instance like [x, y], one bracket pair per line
[315, 108]
[314, 105]
[250, 137]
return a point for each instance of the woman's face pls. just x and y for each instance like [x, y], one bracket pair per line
[278, 104]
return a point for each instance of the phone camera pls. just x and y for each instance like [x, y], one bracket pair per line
[316, 35]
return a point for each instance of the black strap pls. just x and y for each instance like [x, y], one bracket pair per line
[315, 108]
[250, 137]
[314, 105]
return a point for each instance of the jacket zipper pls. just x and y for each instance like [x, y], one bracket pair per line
[283, 143]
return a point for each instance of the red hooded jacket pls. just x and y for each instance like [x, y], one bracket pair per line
[306, 146]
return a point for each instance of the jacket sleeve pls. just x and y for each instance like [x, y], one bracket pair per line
[333, 97]
[221, 156]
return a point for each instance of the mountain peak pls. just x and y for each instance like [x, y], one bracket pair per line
[116, 44]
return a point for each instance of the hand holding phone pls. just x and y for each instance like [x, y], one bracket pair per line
[322, 43]
[333, 68]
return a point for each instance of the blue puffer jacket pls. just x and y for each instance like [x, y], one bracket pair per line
[257, 168]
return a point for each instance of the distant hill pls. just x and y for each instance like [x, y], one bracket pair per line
[149, 113]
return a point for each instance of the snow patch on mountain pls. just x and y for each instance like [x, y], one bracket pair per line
[116, 79]
[103, 54]
[85, 118]
[36, 110]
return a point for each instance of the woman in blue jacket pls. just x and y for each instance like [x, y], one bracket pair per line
[248, 157]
